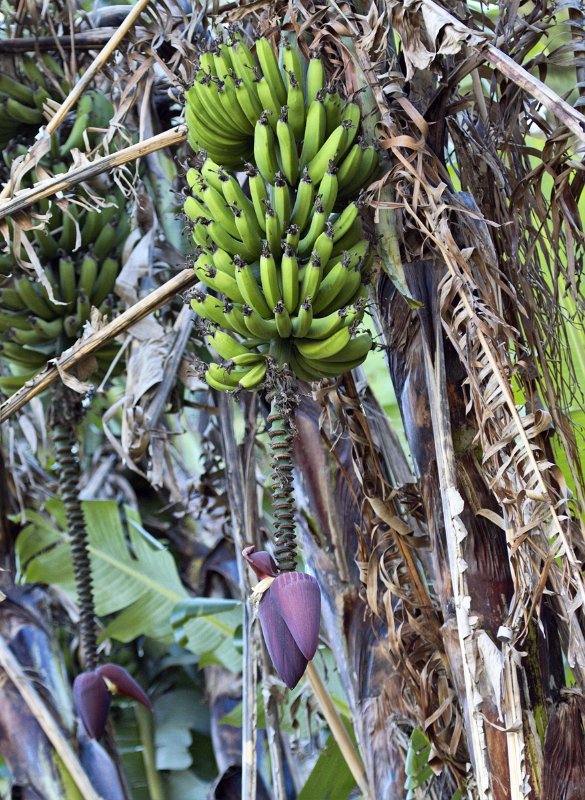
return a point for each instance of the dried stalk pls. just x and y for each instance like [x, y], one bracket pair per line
[60, 183]
[564, 112]
[86, 347]
[84, 40]
[338, 730]
[47, 722]
[99, 61]
[235, 484]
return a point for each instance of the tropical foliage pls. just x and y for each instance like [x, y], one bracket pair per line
[439, 487]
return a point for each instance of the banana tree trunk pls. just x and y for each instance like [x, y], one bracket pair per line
[419, 355]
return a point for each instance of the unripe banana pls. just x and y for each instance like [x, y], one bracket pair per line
[281, 201]
[235, 319]
[315, 130]
[16, 89]
[316, 228]
[265, 149]
[345, 220]
[323, 327]
[234, 194]
[223, 261]
[328, 188]
[312, 277]
[217, 280]
[258, 326]
[269, 102]
[87, 275]
[270, 69]
[226, 346]
[75, 138]
[302, 322]
[303, 202]
[292, 237]
[251, 293]
[283, 320]
[353, 238]
[324, 348]
[357, 348]
[269, 277]
[254, 377]
[348, 293]
[295, 102]
[219, 210]
[315, 77]
[331, 150]
[105, 281]
[274, 229]
[333, 106]
[330, 287]
[210, 308]
[291, 64]
[32, 299]
[289, 269]
[289, 158]
[258, 194]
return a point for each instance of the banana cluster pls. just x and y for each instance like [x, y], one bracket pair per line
[43, 82]
[283, 255]
[34, 327]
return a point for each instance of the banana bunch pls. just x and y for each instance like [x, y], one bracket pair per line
[278, 112]
[43, 83]
[35, 328]
[283, 254]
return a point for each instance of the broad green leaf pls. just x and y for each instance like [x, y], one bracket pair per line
[416, 763]
[131, 575]
[331, 778]
[207, 627]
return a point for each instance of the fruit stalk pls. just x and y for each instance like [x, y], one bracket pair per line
[65, 414]
[283, 403]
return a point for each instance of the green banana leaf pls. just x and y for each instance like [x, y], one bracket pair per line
[134, 577]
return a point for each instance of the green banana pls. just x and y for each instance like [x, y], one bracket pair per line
[283, 320]
[324, 348]
[328, 188]
[217, 280]
[269, 277]
[75, 138]
[312, 277]
[224, 262]
[253, 377]
[316, 228]
[210, 308]
[315, 131]
[265, 149]
[330, 151]
[105, 281]
[295, 102]
[289, 159]
[16, 89]
[289, 270]
[301, 324]
[281, 201]
[330, 287]
[235, 319]
[315, 77]
[22, 113]
[258, 194]
[32, 299]
[270, 70]
[292, 237]
[251, 292]
[322, 327]
[345, 220]
[87, 275]
[303, 201]
[258, 325]
[356, 348]
[226, 346]
[273, 230]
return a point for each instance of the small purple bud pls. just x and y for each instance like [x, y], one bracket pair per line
[261, 562]
[92, 700]
[124, 683]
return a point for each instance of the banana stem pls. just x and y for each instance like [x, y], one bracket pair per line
[283, 403]
[65, 414]
[338, 730]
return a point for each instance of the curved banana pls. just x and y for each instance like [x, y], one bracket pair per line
[269, 277]
[270, 69]
[265, 149]
[251, 292]
[289, 158]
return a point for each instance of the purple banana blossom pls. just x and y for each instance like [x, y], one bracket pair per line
[93, 691]
[290, 613]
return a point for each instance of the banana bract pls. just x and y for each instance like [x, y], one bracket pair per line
[282, 254]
